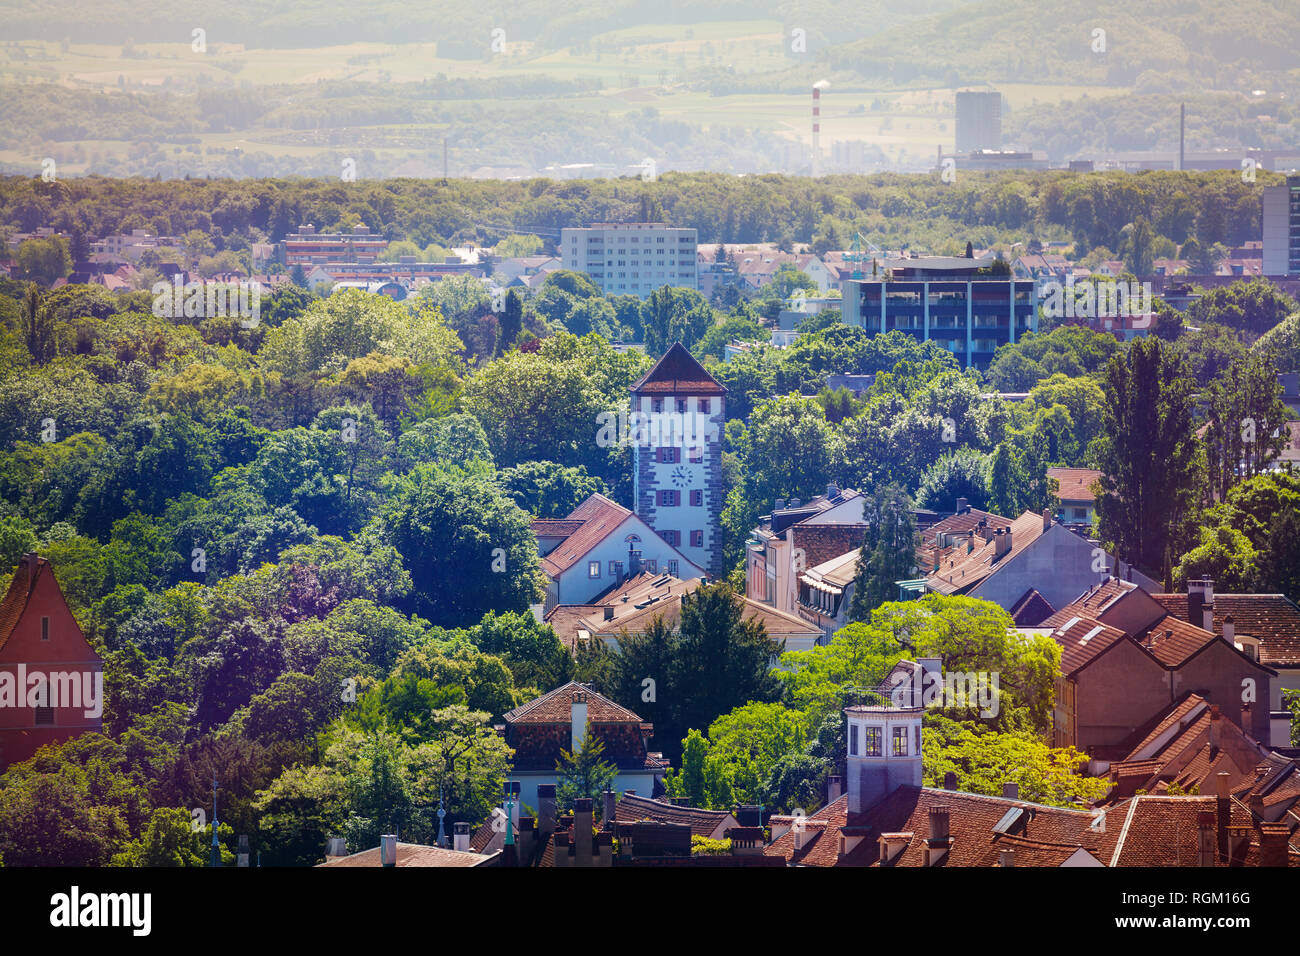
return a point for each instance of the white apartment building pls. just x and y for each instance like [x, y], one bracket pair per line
[631, 258]
[1282, 228]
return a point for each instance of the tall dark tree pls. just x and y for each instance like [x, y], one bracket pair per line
[1245, 432]
[888, 552]
[1147, 455]
[38, 327]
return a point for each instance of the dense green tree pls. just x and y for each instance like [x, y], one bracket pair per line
[1147, 455]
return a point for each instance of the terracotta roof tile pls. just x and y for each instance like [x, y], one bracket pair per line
[556, 708]
[632, 808]
[598, 518]
[1031, 610]
[1075, 484]
[677, 373]
[970, 570]
[413, 854]
[1274, 619]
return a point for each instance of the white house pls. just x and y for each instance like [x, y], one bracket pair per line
[599, 545]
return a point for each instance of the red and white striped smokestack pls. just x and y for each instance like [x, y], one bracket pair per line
[816, 129]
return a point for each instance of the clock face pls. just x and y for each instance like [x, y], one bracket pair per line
[681, 477]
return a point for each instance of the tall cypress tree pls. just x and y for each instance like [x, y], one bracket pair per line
[1149, 458]
[888, 552]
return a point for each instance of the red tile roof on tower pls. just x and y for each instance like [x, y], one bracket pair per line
[21, 587]
[677, 373]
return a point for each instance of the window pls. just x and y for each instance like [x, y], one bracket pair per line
[44, 712]
[616, 569]
[673, 566]
[697, 456]
[697, 539]
[697, 498]
[593, 569]
[673, 538]
[657, 405]
[652, 565]
[45, 628]
[900, 741]
[669, 498]
[681, 405]
[853, 740]
[873, 742]
[670, 456]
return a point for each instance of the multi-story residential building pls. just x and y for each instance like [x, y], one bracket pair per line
[1282, 229]
[1126, 659]
[955, 301]
[979, 121]
[677, 456]
[631, 258]
[307, 247]
[1002, 564]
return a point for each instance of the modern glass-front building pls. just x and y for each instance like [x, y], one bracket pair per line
[952, 300]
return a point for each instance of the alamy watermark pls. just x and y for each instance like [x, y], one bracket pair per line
[976, 689]
[82, 689]
[1098, 299]
[688, 430]
[207, 300]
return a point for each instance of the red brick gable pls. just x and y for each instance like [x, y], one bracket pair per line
[34, 593]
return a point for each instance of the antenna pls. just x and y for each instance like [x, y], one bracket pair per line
[215, 858]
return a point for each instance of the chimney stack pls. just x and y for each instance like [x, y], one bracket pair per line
[1007, 858]
[963, 505]
[1216, 723]
[1229, 630]
[335, 847]
[582, 835]
[460, 838]
[1272, 844]
[388, 849]
[546, 809]
[1205, 826]
[609, 612]
[577, 720]
[610, 802]
[1047, 520]
[834, 788]
[1001, 542]
[936, 846]
[1011, 790]
[950, 780]
[1223, 810]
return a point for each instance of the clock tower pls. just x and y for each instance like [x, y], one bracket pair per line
[677, 420]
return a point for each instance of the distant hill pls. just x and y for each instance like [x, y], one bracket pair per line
[1224, 45]
[455, 24]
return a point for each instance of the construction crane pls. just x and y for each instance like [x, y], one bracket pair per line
[860, 250]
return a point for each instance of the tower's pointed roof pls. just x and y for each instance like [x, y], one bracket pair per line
[677, 373]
